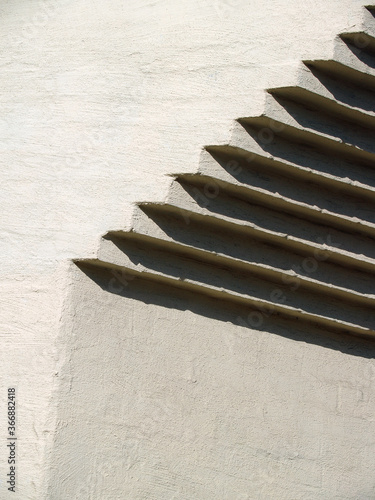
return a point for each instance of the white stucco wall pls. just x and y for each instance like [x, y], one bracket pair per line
[165, 396]
[99, 100]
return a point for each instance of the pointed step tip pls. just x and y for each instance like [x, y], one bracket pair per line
[359, 40]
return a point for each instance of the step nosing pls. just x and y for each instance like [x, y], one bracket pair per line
[288, 205]
[306, 193]
[278, 164]
[220, 292]
[360, 40]
[326, 105]
[279, 239]
[302, 135]
[252, 268]
[342, 70]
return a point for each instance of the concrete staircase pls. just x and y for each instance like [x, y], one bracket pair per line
[281, 219]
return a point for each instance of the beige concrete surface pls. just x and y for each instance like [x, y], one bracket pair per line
[119, 396]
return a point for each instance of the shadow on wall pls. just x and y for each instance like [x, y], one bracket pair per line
[276, 230]
[149, 292]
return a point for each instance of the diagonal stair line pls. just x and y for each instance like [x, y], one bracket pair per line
[276, 201]
[284, 240]
[326, 105]
[267, 272]
[311, 138]
[307, 174]
[313, 176]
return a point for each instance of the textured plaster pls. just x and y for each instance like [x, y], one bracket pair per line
[99, 101]
[166, 396]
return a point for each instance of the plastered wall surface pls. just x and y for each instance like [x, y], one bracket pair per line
[166, 396]
[99, 101]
